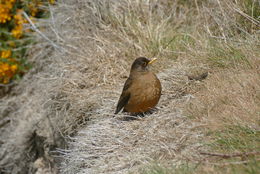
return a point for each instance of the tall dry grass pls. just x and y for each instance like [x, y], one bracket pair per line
[221, 37]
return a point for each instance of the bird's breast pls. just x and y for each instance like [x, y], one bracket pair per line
[145, 93]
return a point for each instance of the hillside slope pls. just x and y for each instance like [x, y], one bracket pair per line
[59, 118]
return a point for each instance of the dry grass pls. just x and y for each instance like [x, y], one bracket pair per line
[75, 87]
[232, 96]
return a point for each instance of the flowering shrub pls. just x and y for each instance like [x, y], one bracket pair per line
[13, 36]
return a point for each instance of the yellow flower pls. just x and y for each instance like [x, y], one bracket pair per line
[52, 1]
[6, 53]
[5, 67]
[5, 81]
[4, 17]
[13, 68]
[7, 72]
[17, 31]
[33, 9]
[8, 5]
[5, 7]
[18, 17]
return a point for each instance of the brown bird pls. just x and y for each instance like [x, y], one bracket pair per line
[142, 89]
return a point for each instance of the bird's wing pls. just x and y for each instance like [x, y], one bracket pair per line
[125, 96]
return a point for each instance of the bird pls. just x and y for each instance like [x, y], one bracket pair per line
[142, 90]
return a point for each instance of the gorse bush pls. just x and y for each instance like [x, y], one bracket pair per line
[14, 37]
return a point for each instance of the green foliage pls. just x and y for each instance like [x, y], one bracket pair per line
[236, 138]
[225, 55]
[14, 38]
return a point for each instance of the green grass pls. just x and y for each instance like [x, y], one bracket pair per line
[230, 167]
[252, 167]
[226, 55]
[159, 169]
[236, 138]
[252, 9]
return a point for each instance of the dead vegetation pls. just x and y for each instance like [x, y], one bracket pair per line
[75, 86]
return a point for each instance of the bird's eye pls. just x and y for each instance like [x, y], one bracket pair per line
[144, 63]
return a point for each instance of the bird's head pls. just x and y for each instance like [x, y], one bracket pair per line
[141, 64]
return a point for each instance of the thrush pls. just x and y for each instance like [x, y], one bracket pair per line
[142, 89]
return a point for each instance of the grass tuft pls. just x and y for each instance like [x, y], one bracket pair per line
[236, 138]
[226, 56]
[159, 169]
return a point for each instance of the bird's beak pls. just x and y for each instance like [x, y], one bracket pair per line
[151, 61]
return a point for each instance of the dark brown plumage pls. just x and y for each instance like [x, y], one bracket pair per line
[142, 89]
